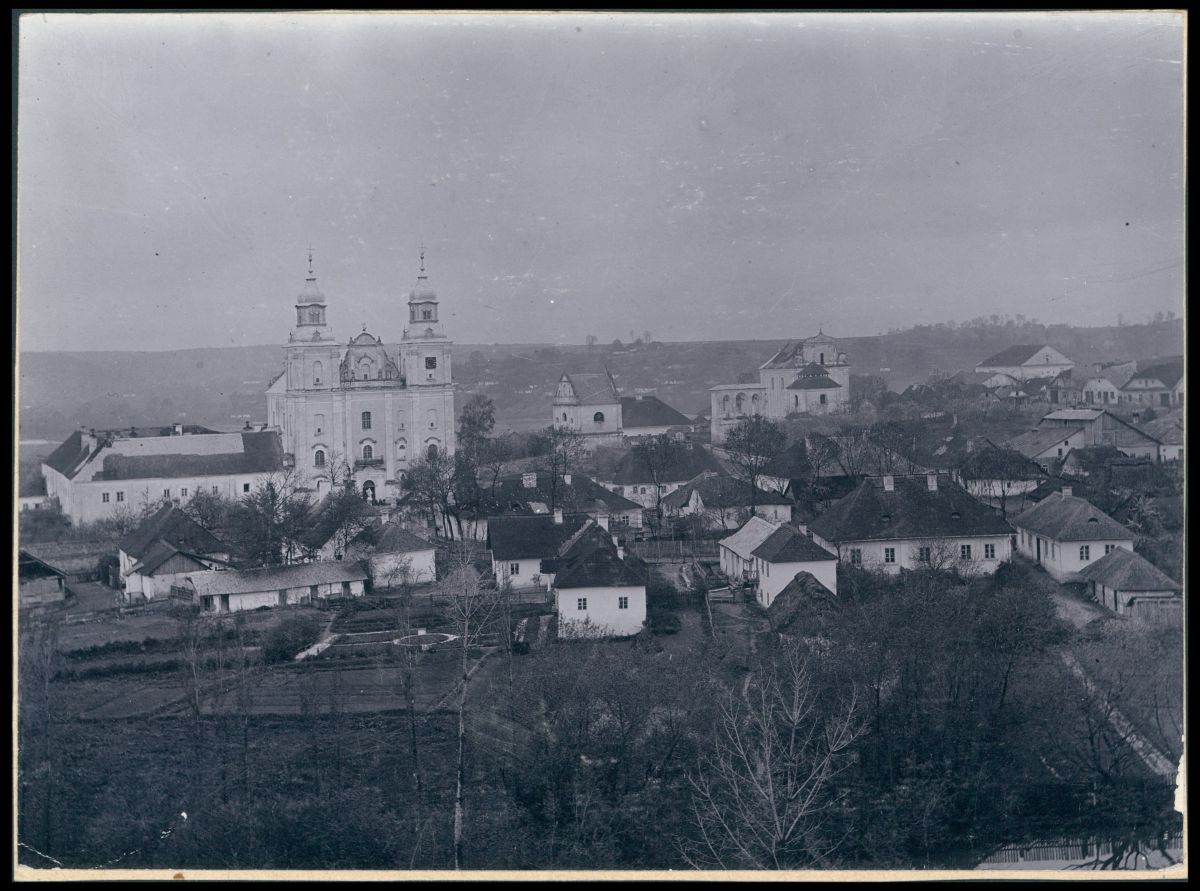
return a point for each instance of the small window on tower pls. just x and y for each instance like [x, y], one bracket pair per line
[366, 420]
[427, 314]
[431, 362]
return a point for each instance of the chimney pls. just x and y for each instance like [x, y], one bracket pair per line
[616, 544]
[803, 527]
[1066, 491]
[529, 480]
[602, 521]
[567, 478]
[247, 427]
[889, 483]
[179, 430]
[931, 481]
[558, 516]
[620, 553]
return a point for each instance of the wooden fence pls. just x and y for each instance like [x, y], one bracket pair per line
[1068, 850]
[676, 549]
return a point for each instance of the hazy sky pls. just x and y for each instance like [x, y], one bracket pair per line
[697, 176]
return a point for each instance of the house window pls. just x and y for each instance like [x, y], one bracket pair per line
[1108, 549]
[368, 453]
[581, 603]
[889, 555]
[319, 458]
[514, 568]
[183, 492]
[366, 420]
[245, 487]
[166, 493]
[120, 496]
[104, 497]
[214, 490]
[431, 362]
[989, 552]
[924, 554]
[598, 417]
[622, 603]
[823, 399]
[1085, 552]
[1060, 453]
[856, 556]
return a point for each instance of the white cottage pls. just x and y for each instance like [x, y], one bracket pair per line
[301, 583]
[1064, 533]
[769, 555]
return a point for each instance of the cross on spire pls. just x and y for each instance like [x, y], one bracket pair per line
[310, 266]
[421, 247]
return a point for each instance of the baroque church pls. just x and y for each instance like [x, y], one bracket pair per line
[357, 408]
[805, 377]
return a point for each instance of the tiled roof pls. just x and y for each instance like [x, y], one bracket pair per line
[600, 567]
[159, 553]
[1035, 442]
[581, 495]
[814, 382]
[1168, 373]
[260, 452]
[71, 556]
[273, 578]
[394, 539]
[789, 545]
[719, 491]
[803, 598]
[1124, 570]
[171, 525]
[594, 388]
[1070, 518]
[649, 411]
[515, 538]
[909, 511]
[688, 463]
[1014, 355]
[71, 455]
[786, 356]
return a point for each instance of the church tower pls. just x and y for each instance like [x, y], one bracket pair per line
[312, 354]
[424, 348]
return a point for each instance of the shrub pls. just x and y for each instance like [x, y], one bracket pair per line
[289, 637]
[661, 621]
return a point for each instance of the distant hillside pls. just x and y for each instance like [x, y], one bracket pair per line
[223, 388]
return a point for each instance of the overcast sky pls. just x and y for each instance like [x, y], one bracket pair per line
[696, 176]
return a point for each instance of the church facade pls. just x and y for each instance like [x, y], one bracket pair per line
[357, 408]
[810, 376]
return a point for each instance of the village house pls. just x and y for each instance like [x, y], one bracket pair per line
[647, 415]
[599, 590]
[1130, 585]
[232, 591]
[38, 583]
[31, 494]
[718, 501]
[912, 522]
[1160, 386]
[1064, 533]
[1026, 361]
[633, 478]
[75, 561]
[394, 555]
[164, 547]
[1168, 430]
[96, 476]
[1065, 389]
[1102, 427]
[357, 407]
[519, 544]
[767, 556]
[810, 377]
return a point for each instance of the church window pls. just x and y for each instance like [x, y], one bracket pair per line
[401, 449]
[822, 362]
[564, 416]
[314, 316]
[368, 453]
[725, 405]
[598, 417]
[318, 423]
[427, 314]
[433, 418]
[797, 398]
[738, 402]
[366, 420]
[431, 362]
[319, 458]
[317, 371]
[432, 452]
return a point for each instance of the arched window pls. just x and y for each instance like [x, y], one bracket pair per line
[822, 362]
[738, 402]
[318, 371]
[797, 397]
[754, 404]
[366, 420]
[319, 458]
[368, 491]
[598, 417]
[432, 452]
[402, 448]
[725, 405]
[314, 316]
[368, 453]
[564, 416]
[427, 314]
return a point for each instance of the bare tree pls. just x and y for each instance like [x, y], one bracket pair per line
[751, 445]
[763, 791]
[564, 454]
[660, 454]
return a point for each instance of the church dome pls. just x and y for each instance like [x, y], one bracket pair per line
[423, 292]
[310, 293]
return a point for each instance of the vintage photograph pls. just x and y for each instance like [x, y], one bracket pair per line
[625, 444]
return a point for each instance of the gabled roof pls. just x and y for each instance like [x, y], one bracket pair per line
[1167, 373]
[594, 388]
[1124, 570]
[719, 491]
[581, 495]
[70, 556]
[71, 455]
[1013, 355]
[1167, 429]
[171, 525]
[1036, 442]
[786, 356]
[517, 538]
[649, 411]
[789, 545]
[814, 382]
[160, 552]
[256, 452]
[750, 536]
[687, 463]
[909, 511]
[600, 567]
[272, 578]
[1065, 517]
[394, 539]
